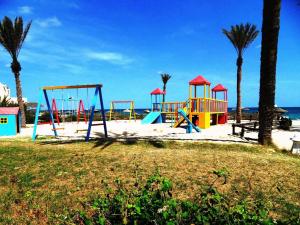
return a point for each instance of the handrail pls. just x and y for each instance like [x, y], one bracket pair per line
[194, 105]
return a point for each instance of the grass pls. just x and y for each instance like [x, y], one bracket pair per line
[47, 181]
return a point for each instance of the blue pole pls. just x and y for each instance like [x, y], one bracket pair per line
[50, 111]
[37, 112]
[92, 114]
[102, 111]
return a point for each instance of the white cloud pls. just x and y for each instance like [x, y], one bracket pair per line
[49, 22]
[25, 10]
[111, 57]
[258, 46]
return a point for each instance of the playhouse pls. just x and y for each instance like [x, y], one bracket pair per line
[10, 119]
[202, 108]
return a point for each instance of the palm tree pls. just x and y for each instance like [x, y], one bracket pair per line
[5, 101]
[12, 36]
[165, 78]
[270, 32]
[241, 36]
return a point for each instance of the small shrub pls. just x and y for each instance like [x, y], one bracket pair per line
[153, 203]
[285, 123]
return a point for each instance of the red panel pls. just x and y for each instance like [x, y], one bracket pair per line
[199, 80]
[157, 91]
[9, 110]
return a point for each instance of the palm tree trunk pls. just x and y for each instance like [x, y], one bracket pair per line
[16, 68]
[270, 32]
[164, 90]
[239, 63]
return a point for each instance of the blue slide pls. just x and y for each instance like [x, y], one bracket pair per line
[190, 124]
[152, 117]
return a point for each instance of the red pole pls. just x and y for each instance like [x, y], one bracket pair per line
[54, 110]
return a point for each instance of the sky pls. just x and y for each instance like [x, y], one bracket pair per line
[126, 44]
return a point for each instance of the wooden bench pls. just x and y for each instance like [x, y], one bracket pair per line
[244, 126]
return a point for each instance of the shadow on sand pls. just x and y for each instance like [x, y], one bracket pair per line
[101, 142]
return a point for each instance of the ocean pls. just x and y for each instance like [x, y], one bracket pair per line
[293, 112]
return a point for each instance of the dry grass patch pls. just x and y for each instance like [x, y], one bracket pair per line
[46, 181]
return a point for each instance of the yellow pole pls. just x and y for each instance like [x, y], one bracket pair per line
[130, 110]
[110, 111]
[204, 99]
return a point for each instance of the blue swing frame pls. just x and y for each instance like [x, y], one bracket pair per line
[98, 92]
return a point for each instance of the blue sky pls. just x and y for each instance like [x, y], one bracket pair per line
[126, 44]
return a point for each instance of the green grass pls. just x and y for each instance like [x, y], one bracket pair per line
[47, 181]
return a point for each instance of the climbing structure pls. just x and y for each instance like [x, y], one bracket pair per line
[198, 109]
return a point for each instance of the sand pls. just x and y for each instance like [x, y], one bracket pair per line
[134, 129]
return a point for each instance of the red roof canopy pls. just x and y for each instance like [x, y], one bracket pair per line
[9, 110]
[157, 91]
[219, 87]
[199, 80]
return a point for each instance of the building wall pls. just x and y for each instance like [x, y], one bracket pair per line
[4, 90]
[9, 128]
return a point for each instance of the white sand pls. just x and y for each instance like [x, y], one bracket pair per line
[134, 129]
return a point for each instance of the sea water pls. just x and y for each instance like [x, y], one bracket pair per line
[293, 112]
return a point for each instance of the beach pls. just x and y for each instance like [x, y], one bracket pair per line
[124, 129]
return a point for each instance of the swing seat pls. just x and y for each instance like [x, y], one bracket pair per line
[58, 128]
[97, 124]
[81, 130]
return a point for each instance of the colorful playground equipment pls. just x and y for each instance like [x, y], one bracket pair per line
[196, 110]
[155, 115]
[114, 111]
[10, 121]
[53, 109]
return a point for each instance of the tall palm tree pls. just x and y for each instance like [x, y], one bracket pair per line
[165, 77]
[12, 36]
[270, 32]
[5, 101]
[241, 36]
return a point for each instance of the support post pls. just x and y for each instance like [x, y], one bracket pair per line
[50, 112]
[92, 114]
[102, 111]
[37, 112]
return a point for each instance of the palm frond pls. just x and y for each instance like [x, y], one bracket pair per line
[12, 35]
[241, 36]
[165, 77]
[24, 34]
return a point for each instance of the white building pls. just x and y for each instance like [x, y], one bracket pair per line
[5, 91]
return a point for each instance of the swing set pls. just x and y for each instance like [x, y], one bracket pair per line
[114, 111]
[53, 110]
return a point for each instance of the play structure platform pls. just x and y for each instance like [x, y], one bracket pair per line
[201, 111]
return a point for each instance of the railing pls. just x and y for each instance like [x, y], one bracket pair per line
[208, 105]
[194, 105]
[168, 107]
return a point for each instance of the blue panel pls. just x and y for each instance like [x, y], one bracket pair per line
[152, 117]
[10, 128]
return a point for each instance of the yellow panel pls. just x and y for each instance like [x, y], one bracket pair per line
[204, 120]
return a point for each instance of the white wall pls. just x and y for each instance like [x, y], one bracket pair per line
[4, 90]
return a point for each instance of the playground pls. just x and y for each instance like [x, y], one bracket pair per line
[77, 112]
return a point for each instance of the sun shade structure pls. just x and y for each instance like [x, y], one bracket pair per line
[157, 91]
[199, 80]
[219, 88]
[97, 93]
[156, 103]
